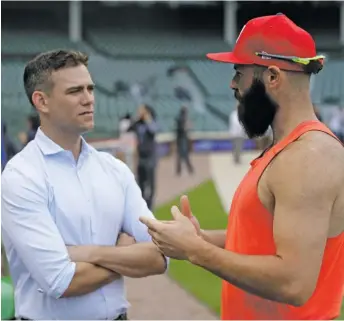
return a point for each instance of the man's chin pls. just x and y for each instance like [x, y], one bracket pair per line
[87, 128]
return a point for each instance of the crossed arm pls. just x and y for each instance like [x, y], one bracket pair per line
[25, 213]
[137, 260]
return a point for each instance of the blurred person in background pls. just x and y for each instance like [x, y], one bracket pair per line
[182, 141]
[4, 159]
[9, 145]
[282, 255]
[237, 134]
[70, 213]
[335, 122]
[124, 123]
[33, 124]
[3, 149]
[128, 141]
[145, 127]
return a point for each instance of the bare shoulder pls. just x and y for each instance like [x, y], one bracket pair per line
[315, 162]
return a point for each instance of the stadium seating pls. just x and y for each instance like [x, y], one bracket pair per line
[107, 70]
[223, 104]
[215, 77]
[162, 44]
[109, 108]
[329, 83]
[21, 43]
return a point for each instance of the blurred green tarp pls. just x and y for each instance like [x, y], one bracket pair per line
[7, 298]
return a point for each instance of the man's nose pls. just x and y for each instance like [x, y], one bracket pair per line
[233, 85]
[88, 98]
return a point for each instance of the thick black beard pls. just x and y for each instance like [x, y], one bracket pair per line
[256, 110]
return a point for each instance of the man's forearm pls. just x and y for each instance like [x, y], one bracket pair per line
[215, 237]
[88, 278]
[137, 260]
[266, 276]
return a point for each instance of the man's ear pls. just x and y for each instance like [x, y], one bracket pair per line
[40, 101]
[274, 76]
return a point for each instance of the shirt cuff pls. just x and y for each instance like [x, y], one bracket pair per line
[63, 281]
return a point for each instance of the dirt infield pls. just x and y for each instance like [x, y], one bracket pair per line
[158, 297]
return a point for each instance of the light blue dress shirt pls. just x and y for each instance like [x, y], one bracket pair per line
[50, 200]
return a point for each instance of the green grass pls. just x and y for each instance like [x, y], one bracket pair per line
[341, 317]
[206, 205]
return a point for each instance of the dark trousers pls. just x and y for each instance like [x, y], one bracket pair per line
[146, 179]
[183, 156]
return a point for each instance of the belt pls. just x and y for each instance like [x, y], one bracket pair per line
[122, 316]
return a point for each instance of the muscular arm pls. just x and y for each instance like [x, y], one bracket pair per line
[304, 192]
[28, 226]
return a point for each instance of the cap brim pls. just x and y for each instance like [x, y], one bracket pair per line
[227, 57]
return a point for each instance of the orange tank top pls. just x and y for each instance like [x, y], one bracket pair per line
[250, 232]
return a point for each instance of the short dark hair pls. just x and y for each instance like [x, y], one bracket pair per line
[38, 71]
[314, 67]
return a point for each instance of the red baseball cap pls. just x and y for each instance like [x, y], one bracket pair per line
[271, 40]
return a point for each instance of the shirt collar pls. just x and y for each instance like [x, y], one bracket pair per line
[49, 147]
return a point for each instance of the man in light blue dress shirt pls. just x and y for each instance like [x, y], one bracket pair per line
[64, 205]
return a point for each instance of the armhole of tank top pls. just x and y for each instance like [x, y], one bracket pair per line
[300, 130]
[303, 128]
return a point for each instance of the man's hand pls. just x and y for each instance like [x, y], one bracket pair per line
[175, 239]
[216, 237]
[125, 239]
[186, 211]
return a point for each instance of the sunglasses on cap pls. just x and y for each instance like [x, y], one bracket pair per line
[303, 61]
[310, 65]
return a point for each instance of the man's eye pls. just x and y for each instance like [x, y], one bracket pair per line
[237, 75]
